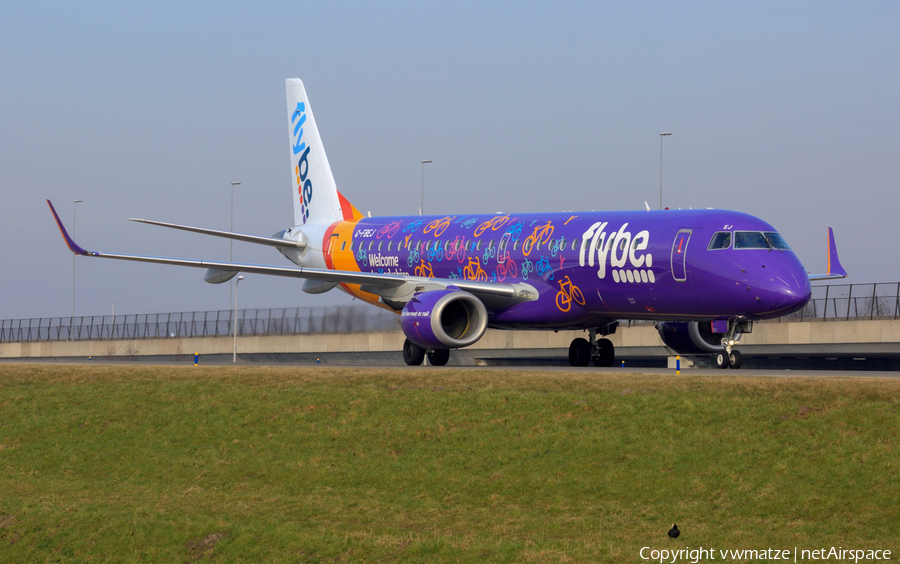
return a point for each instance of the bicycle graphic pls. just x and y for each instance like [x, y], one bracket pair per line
[527, 268]
[438, 226]
[456, 249]
[362, 257]
[507, 267]
[489, 253]
[389, 230]
[473, 271]
[468, 223]
[494, 224]
[541, 235]
[543, 267]
[514, 231]
[556, 246]
[424, 269]
[436, 252]
[413, 226]
[567, 293]
[413, 256]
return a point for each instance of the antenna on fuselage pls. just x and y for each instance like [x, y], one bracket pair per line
[646, 205]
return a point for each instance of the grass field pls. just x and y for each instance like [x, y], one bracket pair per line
[184, 464]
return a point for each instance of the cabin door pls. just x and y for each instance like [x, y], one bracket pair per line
[679, 251]
[502, 251]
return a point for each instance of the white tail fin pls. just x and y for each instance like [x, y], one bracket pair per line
[315, 195]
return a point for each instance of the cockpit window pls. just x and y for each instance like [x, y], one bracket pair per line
[721, 240]
[750, 240]
[777, 240]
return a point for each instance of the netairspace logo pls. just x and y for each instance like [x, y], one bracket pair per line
[301, 170]
[695, 555]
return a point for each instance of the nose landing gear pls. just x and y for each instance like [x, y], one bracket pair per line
[730, 357]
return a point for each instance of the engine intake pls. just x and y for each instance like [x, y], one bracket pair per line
[690, 337]
[444, 319]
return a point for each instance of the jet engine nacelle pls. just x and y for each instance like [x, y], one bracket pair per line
[444, 319]
[690, 337]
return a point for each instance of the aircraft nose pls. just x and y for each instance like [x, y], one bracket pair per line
[784, 289]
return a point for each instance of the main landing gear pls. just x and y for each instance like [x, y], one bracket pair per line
[601, 351]
[730, 357]
[413, 355]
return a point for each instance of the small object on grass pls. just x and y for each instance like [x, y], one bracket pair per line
[317, 361]
[674, 532]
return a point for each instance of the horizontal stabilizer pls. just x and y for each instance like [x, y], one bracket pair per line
[835, 270]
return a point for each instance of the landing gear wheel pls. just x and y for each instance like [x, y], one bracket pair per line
[580, 352]
[735, 359]
[721, 359]
[413, 354]
[438, 357]
[607, 355]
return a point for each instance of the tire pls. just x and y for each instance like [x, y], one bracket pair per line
[721, 359]
[438, 357]
[735, 360]
[607, 356]
[580, 352]
[413, 354]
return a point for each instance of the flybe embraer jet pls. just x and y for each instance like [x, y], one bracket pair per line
[703, 275]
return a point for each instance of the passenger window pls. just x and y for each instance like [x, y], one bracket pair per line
[490, 244]
[370, 244]
[574, 242]
[390, 244]
[503, 244]
[720, 240]
[418, 246]
[516, 245]
[562, 243]
[478, 246]
[379, 245]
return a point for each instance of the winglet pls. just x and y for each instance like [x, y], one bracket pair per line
[834, 264]
[69, 242]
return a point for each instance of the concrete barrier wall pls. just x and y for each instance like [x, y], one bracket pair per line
[643, 337]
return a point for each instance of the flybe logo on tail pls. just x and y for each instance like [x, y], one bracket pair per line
[304, 184]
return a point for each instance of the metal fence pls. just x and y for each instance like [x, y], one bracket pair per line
[250, 322]
[841, 301]
[852, 301]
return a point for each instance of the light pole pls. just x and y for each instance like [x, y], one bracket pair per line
[422, 209]
[661, 135]
[74, 234]
[231, 241]
[236, 285]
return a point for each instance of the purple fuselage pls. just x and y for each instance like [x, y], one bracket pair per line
[591, 267]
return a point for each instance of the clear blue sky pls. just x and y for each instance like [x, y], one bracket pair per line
[788, 111]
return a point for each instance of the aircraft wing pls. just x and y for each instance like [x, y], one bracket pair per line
[270, 241]
[386, 285]
[835, 270]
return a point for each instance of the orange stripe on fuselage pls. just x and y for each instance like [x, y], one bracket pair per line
[345, 259]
